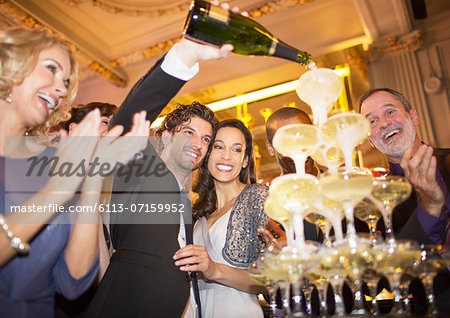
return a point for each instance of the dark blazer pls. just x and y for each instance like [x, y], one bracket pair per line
[142, 279]
[408, 227]
[405, 220]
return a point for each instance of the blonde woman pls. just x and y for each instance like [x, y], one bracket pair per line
[38, 80]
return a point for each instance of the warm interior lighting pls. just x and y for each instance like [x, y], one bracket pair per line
[157, 122]
[255, 95]
[244, 98]
[342, 71]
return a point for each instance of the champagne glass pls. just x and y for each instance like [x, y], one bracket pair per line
[348, 188]
[307, 290]
[281, 215]
[257, 275]
[295, 261]
[295, 194]
[356, 256]
[393, 259]
[405, 281]
[332, 271]
[434, 258]
[366, 211]
[372, 277]
[321, 283]
[323, 224]
[327, 155]
[270, 267]
[319, 88]
[332, 210]
[295, 141]
[388, 192]
[346, 131]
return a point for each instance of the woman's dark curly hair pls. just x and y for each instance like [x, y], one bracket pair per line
[207, 198]
[78, 112]
[182, 114]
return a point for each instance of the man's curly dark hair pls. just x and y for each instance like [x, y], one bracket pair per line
[182, 114]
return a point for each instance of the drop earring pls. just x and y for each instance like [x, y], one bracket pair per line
[9, 98]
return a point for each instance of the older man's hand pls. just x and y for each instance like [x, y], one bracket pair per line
[420, 171]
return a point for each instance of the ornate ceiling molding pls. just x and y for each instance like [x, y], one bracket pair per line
[156, 8]
[152, 8]
[409, 42]
[17, 17]
[162, 47]
[140, 55]
[11, 15]
[273, 6]
[74, 2]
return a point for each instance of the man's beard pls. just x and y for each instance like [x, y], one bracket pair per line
[196, 166]
[186, 165]
[397, 148]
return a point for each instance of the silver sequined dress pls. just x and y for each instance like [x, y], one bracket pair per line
[233, 240]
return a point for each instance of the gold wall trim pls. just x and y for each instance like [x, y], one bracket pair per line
[357, 57]
[11, 15]
[18, 17]
[104, 72]
[74, 2]
[152, 12]
[408, 42]
[275, 6]
[162, 47]
[141, 55]
[118, 8]
[135, 10]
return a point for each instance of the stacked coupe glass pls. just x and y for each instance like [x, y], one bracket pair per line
[355, 258]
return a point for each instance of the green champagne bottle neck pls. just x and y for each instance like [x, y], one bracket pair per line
[211, 24]
[288, 52]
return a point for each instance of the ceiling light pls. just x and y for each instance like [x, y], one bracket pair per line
[254, 96]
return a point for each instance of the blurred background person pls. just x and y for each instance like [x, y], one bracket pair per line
[78, 112]
[280, 118]
[75, 308]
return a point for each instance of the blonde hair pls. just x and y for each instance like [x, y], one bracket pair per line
[19, 53]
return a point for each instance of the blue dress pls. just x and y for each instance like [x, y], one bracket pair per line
[28, 283]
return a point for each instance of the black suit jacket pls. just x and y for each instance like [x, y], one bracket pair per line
[142, 279]
[151, 93]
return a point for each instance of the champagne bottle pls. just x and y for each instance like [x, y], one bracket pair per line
[207, 23]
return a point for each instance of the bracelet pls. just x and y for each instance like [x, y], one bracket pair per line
[14, 241]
